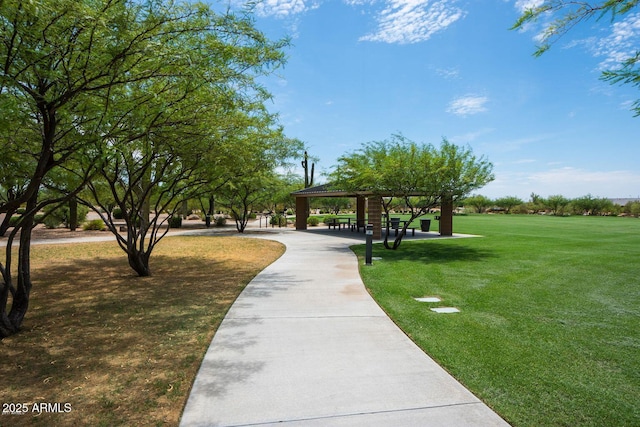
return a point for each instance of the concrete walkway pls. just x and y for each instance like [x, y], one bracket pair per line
[305, 345]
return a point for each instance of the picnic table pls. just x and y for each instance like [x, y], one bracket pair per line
[352, 224]
[339, 223]
[397, 224]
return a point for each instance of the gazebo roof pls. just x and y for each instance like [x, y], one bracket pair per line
[326, 190]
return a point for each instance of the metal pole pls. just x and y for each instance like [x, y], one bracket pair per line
[369, 250]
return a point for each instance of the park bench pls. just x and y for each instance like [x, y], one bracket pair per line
[337, 222]
[395, 225]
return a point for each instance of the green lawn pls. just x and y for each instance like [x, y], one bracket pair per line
[549, 328]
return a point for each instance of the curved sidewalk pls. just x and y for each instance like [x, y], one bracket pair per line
[305, 345]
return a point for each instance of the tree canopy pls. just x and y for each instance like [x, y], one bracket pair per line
[420, 176]
[130, 99]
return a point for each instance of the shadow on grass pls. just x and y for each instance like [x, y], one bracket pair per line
[119, 348]
[428, 252]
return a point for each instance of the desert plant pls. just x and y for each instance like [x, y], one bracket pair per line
[94, 224]
[175, 221]
[278, 220]
[117, 213]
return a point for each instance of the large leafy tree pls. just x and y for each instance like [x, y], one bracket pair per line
[76, 73]
[561, 16]
[420, 176]
[54, 55]
[255, 182]
[479, 202]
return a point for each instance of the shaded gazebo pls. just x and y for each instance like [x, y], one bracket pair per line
[365, 201]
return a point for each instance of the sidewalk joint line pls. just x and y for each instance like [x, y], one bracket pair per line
[355, 414]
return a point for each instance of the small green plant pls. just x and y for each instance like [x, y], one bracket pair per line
[220, 221]
[14, 221]
[278, 220]
[62, 215]
[52, 221]
[175, 221]
[117, 213]
[313, 221]
[94, 224]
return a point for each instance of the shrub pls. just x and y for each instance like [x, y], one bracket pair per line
[313, 220]
[14, 221]
[61, 215]
[278, 220]
[328, 218]
[220, 221]
[175, 221]
[52, 221]
[94, 224]
[117, 213]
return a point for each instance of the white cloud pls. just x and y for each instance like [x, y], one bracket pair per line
[616, 47]
[468, 105]
[283, 8]
[524, 5]
[469, 137]
[413, 21]
[621, 44]
[449, 73]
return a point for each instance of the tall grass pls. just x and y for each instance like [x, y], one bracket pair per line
[549, 328]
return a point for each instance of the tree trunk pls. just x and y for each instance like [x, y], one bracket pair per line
[4, 224]
[73, 214]
[139, 261]
[11, 323]
[185, 209]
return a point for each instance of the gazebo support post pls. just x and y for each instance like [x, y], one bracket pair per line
[446, 217]
[302, 212]
[375, 216]
[361, 203]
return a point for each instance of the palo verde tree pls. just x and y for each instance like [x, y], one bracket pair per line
[256, 182]
[54, 55]
[560, 16]
[171, 129]
[65, 62]
[420, 176]
[478, 202]
[508, 203]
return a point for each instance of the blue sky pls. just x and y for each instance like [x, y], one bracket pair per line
[362, 70]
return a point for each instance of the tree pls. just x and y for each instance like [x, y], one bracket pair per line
[508, 203]
[589, 205]
[632, 208]
[564, 15]
[73, 75]
[478, 202]
[557, 204]
[54, 55]
[536, 203]
[334, 204]
[418, 175]
[255, 182]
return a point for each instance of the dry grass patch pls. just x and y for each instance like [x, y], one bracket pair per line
[122, 350]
